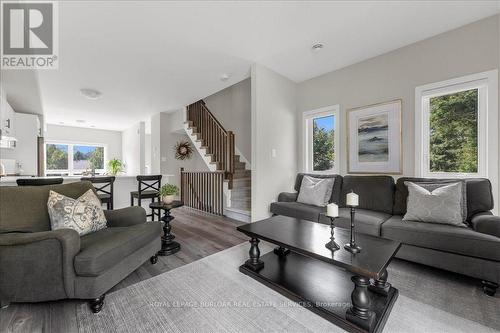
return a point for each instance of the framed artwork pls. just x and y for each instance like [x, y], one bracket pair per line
[374, 138]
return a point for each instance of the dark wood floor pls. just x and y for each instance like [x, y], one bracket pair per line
[199, 234]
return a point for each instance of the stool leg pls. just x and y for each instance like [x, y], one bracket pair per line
[108, 206]
[131, 200]
[153, 214]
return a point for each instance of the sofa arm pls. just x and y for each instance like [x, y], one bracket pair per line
[125, 217]
[37, 266]
[287, 197]
[486, 223]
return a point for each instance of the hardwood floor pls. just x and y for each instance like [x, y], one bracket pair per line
[199, 234]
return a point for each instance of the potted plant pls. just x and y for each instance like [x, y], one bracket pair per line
[115, 166]
[168, 191]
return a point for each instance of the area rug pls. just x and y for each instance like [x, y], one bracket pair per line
[211, 295]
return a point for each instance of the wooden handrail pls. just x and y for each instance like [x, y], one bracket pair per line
[218, 141]
[203, 190]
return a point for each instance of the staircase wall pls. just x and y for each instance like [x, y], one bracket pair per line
[232, 108]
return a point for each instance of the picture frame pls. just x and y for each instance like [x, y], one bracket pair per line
[374, 139]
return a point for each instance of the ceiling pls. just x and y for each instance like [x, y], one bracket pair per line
[153, 56]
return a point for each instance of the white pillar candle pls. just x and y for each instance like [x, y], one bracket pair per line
[352, 199]
[332, 210]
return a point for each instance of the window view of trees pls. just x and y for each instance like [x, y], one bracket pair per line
[454, 132]
[57, 157]
[88, 157]
[323, 143]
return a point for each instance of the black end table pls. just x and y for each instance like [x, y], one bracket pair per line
[168, 246]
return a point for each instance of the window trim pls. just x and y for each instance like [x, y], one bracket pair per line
[487, 85]
[70, 171]
[307, 117]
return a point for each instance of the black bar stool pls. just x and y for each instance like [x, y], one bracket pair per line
[148, 188]
[38, 181]
[104, 192]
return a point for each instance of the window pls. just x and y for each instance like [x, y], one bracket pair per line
[320, 139]
[73, 159]
[452, 127]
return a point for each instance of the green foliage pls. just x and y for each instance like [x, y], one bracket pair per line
[169, 189]
[96, 159]
[57, 157]
[323, 148]
[115, 166]
[453, 132]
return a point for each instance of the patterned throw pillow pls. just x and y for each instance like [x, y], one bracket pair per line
[315, 191]
[85, 214]
[441, 205]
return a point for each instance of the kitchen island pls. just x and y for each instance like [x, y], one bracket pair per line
[124, 184]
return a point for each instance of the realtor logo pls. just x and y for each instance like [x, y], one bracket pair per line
[29, 35]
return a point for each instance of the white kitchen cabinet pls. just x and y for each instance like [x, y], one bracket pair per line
[7, 118]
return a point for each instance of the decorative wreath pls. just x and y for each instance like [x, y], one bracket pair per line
[183, 150]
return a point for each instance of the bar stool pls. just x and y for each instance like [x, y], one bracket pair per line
[148, 188]
[104, 192]
[38, 181]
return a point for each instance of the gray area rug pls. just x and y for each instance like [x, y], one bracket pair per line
[211, 295]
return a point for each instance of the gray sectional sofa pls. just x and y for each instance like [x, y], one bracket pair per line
[37, 264]
[472, 251]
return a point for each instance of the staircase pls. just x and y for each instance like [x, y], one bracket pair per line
[216, 146]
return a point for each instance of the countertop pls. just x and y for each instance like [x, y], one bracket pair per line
[12, 179]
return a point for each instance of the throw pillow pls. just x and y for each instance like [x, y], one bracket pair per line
[432, 185]
[315, 191]
[441, 205]
[85, 214]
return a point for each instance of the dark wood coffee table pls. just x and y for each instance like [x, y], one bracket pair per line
[304, 270]
[168, 245]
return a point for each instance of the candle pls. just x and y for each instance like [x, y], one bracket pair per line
[332, 210]
[352, 199]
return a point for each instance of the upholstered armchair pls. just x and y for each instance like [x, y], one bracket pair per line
[37, 264]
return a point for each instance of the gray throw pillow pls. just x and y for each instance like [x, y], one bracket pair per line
[315, 191]
[85, 214]
[441, 205]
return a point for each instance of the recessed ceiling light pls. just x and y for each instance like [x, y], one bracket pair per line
[224, 77]
[81, 121]
[92, 126]
[317, 47]
[90, 93]
[61, 123]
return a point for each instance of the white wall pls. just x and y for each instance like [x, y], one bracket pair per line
[274, 127]
[113, 139]
[233, 107]
[133, 149]
[166, 130]
[470, 49]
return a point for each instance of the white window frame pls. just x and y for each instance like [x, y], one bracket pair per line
[486, 83]
[70, 171]
[307, 130]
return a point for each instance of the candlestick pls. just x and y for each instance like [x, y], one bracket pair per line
[352, 246]
[332, 245]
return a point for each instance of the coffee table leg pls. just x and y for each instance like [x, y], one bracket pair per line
[381, 286]
[281, 251]
[360, 313]
[168, 246]
[254, 263]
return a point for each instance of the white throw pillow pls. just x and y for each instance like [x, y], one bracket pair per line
[315, 191]
[85, 214]
[441, 205]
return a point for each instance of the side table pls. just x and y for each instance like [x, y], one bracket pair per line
[168, 246]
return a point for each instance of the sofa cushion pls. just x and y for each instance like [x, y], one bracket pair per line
[316, 191]
[375, 192]
[337, 184]
[479, 194]
[107, 247]
[297, 210]
[365, 221]
[442, 237]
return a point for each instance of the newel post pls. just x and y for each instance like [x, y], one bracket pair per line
[182, 184]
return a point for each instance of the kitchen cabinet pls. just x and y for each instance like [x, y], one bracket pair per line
[7, 118]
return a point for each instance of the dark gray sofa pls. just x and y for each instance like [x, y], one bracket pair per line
[472, 251]
[37, 264]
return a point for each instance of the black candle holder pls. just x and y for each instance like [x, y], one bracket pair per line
[332, 245]
[352, 246]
